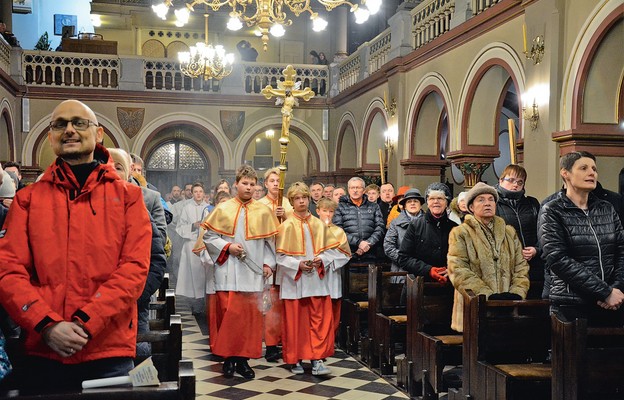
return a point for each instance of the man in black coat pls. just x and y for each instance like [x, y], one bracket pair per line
[362, 222]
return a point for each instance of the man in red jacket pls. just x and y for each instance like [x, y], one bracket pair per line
[74, 257]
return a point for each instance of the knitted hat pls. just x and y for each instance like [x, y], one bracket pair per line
[462, 196]
[412, 194]
[478, 189]
[439, 187]
[400, 193]
[7, 189]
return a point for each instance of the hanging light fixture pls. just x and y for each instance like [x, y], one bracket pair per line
[269, 16]
[205, 60]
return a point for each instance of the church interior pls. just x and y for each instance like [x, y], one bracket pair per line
[423, 91]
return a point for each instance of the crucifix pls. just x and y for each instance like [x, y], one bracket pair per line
[287, 95]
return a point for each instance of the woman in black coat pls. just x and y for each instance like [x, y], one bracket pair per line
[521, 211]
[583, 245]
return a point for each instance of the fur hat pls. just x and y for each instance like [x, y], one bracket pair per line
[412, 194]
[478, 189]
[7, 189]
[439, 187]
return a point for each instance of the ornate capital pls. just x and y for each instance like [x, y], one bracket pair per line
[472, 171]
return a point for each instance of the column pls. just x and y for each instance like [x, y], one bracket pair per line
[340, 27]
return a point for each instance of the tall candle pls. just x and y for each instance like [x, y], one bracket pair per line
[512, 140]
[524, 37]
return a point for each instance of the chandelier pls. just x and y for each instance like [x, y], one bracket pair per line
[205, 60]
[270, 16]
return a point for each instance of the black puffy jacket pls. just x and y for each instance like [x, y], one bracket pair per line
[361, 223]
[584, 252]
[522, 213]
[425, 244]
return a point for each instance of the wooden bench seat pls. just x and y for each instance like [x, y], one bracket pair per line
[506, 346]
[353, 314]
[183, 388]
[431, 343]
[386, 316]
[587, 363]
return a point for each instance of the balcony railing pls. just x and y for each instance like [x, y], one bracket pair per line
[257, 76]
[46, 68]
[478, 6]
[349, 73]
[431, 19]
[165, 74]
[413, 29]
[5, 55]
[379, 49]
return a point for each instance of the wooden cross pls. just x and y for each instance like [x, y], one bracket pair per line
[287, 93]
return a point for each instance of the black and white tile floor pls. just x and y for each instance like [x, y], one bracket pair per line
[349, 379]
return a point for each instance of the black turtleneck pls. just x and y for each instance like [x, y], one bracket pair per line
[82, 171]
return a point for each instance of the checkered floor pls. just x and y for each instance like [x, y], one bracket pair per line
[349, 379]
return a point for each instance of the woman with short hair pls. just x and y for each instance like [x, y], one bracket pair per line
[583, 245]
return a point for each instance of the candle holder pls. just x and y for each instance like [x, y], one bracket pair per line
[537, 50]
[532, 116]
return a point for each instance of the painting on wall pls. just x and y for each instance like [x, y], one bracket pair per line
[62, 20]
[22, 6]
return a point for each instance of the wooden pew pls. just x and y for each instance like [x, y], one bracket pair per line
[182, 388]
[164, 307]
[387, 319]
[435, 344]
[431, 343]
[505, 347]
[166, 348]
[587, 363]
[354, 306]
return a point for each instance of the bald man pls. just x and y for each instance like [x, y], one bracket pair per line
[74, 257]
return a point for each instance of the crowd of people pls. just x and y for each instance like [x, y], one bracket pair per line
[77, 270]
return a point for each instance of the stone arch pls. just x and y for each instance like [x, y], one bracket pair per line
[425, 143]
[212, 132]
[175, 47]
[8, 142]
[347, 138]
[298, 127]
[496, 57]
[590, 84]
[433, 83]
[153, 48]
[376, 119]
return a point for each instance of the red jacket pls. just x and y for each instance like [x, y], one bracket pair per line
[68, 254]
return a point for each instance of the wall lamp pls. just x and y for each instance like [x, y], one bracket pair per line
[537, 47]
[390, 107]
[531, 115]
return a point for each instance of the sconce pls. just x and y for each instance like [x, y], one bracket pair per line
[390, 108]
[537, 47]
[390, 138]
[269, 134]
[531, 116]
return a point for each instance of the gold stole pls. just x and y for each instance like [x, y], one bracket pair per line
[342, 238]
[291, 239]
[260, 222]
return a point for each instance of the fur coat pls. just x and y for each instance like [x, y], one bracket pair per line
[474, 264]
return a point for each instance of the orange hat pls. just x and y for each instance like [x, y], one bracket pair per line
[400, 193]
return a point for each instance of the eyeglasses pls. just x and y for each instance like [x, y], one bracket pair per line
[80, 124]
[356, 188]
[433, 199]
[513, 181]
